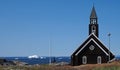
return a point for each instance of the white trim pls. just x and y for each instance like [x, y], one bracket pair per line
[82, 48]
[87, 43]
[102, 43]
[101, 47]
[84, 41]
[112, 59]
[99, 40]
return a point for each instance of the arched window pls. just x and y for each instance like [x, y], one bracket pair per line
[93, 29]
[84, 60]
[93, 21]
[99, 59]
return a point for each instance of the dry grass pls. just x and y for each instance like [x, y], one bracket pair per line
[38, 67]
[111, 66]
[115, 64]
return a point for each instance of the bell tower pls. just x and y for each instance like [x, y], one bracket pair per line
[93, 26]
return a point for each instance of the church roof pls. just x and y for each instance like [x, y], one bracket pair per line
[93, 38]
[93, 13]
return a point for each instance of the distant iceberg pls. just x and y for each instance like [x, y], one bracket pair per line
[42, 57]
[33, 56]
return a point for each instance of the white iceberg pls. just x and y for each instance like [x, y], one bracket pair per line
[33, 56]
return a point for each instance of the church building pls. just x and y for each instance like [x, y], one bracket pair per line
[92, 50]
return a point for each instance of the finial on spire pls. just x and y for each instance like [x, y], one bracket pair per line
[93, 13]
[93, 4]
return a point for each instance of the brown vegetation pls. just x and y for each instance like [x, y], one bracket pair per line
[93, 66]
[64, 67]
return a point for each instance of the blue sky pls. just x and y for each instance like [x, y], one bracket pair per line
[29, 27]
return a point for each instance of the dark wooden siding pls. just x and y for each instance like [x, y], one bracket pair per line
[91, 54]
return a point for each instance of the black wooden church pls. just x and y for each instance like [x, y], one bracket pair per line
[92, 50]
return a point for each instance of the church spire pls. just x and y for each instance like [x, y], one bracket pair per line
[93, 13]
[93, 26]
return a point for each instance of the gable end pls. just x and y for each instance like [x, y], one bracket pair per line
[88, 43]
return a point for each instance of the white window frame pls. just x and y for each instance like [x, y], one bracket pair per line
[95, 43]
[99, 59]
[93, 21]
[84, 60]
[94, 29]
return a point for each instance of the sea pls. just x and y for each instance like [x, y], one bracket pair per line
[42, 59]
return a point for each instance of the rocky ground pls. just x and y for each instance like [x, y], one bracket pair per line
[61, 67]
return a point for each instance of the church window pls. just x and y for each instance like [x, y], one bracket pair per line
[99, 59]
[84, 60]
[93, 21]
[93, 29]
[91, 47]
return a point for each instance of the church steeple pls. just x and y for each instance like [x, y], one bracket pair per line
[93, 13]
[93, 26]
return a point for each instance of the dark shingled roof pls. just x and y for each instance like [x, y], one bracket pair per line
[92, 36]
[93, 13]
